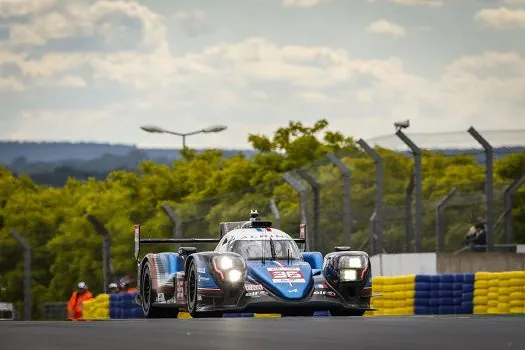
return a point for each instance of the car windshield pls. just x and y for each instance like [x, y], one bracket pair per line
[256, 249]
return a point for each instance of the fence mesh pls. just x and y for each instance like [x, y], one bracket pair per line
[442, 171]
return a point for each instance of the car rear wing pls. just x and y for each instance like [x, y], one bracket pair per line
[139, 241]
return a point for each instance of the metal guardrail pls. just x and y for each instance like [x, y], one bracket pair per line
[56, 311]
[472, 248]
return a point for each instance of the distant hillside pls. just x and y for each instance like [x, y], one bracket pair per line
[51, 163]
[65, 151]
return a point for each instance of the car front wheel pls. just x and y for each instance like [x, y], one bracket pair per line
[192, 288]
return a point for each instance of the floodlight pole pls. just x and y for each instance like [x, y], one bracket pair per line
[347, 196]
[408, 214]
[440, 227]
[373, 237]
[302, 190]
[378, 212]
[28, 295]
[489, 186]
[317, 240]
[418, 180]
[276, 214]
[175, 219]
[106, 249]
[507, 198]
[213, 129]
[183, 135]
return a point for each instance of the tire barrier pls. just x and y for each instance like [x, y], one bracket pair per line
[449, 294]
[97, 308]
[499, 293]
[398, 295]
[495, 293]
[123, 306]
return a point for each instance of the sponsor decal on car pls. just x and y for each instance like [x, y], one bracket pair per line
[325, 292]
[293, 290]
[203, 278]
[180, 290]
[160, 298]
[201, 270]
[252, 287]
[257, 294]
[286, 275]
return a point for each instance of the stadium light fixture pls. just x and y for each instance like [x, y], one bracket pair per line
[214, 128]
[152, 128]
[159, 130]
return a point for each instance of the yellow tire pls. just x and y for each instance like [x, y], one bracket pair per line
[480, 310]
[481, 292]
[480, 276]
[481, 284]
[481, 300]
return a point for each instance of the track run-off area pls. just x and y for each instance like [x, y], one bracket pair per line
[392, 333]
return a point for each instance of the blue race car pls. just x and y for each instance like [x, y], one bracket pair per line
[255, 269]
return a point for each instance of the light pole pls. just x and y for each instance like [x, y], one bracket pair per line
[210, 129]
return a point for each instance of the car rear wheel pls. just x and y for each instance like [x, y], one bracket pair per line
[148, 297]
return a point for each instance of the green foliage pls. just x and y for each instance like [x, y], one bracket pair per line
[207, 188]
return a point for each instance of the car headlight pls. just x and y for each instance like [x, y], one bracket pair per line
[352, 262]
[225, 263]
[234, 275]
[348, 275]
[229, 268]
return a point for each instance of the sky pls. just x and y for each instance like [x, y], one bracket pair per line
[85, 70]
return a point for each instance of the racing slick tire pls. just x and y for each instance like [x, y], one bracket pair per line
[192, 295]
[148, 298]
[347, 312]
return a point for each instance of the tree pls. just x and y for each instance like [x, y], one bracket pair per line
[207, 187]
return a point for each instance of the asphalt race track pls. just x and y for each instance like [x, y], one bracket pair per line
[391, 333]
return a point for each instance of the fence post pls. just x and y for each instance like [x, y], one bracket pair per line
[299, 188]
[317, 240]
[378, 217]
[373, 235]
[347, 196]
[440, 227]
[507, 197]
[106, 249]
[418, 183]
[177, 222]
[408, 214]
[489, 186]
[275, 213]
[28, 295]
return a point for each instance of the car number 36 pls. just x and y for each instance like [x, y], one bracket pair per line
[286, 274]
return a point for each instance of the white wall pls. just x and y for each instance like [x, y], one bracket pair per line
[404, 264]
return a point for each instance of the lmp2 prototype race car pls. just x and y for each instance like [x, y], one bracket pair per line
[254, 269]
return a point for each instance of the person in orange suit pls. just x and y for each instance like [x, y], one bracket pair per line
[76, 302]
